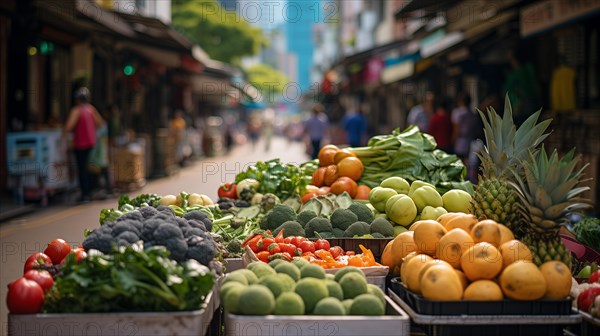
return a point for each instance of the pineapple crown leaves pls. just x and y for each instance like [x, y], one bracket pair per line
[549, 190]
[505, 144]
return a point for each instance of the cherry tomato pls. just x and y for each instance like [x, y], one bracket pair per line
[35, 260]
[263, 256]
[297, 240]
[322, 244]
[79, 253]
[289, 248]
[265, 243]
[42, 277]
[57, 250]
[274, 248]
[227, 190]
[336, 251]
[24, 296]
[307, 246]
[287, 240]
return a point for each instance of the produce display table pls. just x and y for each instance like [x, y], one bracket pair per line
[395, 322]
[143, 323]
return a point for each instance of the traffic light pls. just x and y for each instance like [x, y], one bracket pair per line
[128, 69]
[46, 47]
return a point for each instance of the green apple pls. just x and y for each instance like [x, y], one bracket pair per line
[432, 213]
[402, 210]
[418, 184]
[378, 196]
[397, 183]
[585, 272]
[426, 195]
[398, 229]
[457, 200]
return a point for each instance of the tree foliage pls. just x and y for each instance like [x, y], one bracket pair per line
[223, 34]
[269, 81]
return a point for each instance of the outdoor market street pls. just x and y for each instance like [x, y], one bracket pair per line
[25, 235]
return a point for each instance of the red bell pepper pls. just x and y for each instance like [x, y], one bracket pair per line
[227, 190]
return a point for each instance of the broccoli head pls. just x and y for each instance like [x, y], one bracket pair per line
[128, 237]
[317, 224]
[166, 231]
[343, 218]
[361, 211]
[305, 216]
[357, 229]
[195, 214]
[195, 224]
[150, 225]
[237, 222]
[377, 235]
[208, 224]
[194, 232]
[98, 241]
[123, 227]
[280, 214]
[148, 211]
[338, 233]
[234, 246]
[290, 228]
[383, 227]
[201, 248]
[326, 235]
[135, 215]
[165, 210]
[177, 248]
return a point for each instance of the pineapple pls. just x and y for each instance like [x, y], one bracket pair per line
[548, 190]
[494, 198]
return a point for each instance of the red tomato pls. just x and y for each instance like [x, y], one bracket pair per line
[308, 254]
[322, 244]
[42, 277]
[349, 253]
[287, 240]
[274, 248]
[307, 246]
[289, 248]
[57, 250]
[263, 256]
[79, 253]
[35, 260]
[24, 296]
[297, 240]
[227, 190]
[308, 196]
[286, 256]
[336, 251]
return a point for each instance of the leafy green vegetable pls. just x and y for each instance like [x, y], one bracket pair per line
[129, 280]
[281, 179]
[412, 155]
[140, 200]
[587, 231]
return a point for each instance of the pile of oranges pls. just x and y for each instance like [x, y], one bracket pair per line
[339, 172]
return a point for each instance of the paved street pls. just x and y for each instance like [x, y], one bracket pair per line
[22, 236]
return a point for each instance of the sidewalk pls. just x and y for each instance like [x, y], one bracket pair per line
[10, 207]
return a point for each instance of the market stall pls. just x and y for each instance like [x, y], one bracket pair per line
[387, 239]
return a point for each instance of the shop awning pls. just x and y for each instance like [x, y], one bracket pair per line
[108, 19]
[441, 44]
[363, 56]
[428, 6]
[165, 57]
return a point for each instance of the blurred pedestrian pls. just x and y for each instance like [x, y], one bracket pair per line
[268, 125]
[177, 126]
[254, 129]
[420, 114]
[315, 128]
[440, 126]
[82, 121]
[521, 85]
[99, 164]
[461, 139]
[354, 123]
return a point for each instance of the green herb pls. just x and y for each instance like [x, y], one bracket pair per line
[587, 231]
[282, 179]
[129, 280]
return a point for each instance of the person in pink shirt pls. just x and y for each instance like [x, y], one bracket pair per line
[82, 121]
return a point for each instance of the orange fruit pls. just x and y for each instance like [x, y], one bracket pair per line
[351, 167]
[326, 155]
[362, 192]
[342, 154]
[481, 261]
[344, 184]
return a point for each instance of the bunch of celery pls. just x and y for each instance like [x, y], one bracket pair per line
[412, 155]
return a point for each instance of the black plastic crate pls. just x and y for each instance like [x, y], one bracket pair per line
[503, 307]
[494, 330]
